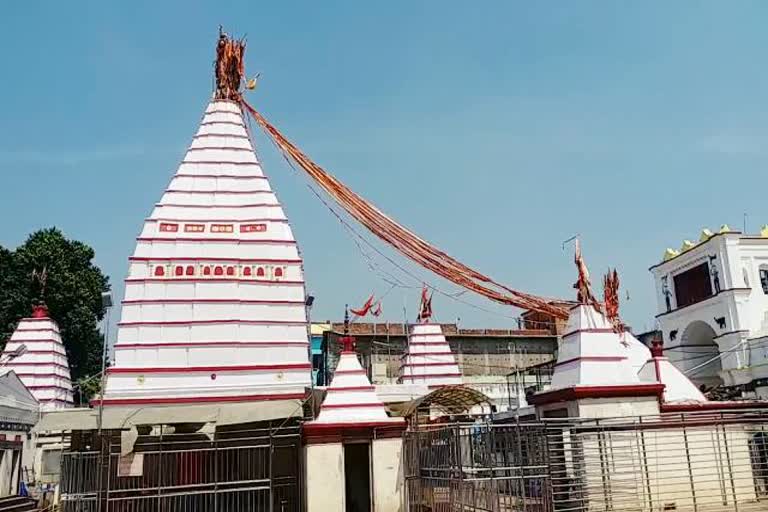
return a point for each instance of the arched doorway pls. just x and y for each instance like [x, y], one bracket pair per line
[697, 354]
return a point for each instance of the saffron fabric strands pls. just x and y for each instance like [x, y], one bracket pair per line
[399, 237]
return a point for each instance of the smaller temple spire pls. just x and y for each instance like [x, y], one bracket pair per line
[583, 285]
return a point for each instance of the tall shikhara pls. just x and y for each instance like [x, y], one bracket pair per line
[42, 364]
[214, 300]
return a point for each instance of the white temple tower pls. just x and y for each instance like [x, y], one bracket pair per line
[41, 363]
[214, 298]
[428, 359]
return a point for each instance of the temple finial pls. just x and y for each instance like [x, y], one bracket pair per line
[583, 285]
[229, 68]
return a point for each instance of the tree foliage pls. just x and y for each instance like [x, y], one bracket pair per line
[72, 291]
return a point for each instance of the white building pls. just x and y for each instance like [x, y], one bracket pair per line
[712, 298]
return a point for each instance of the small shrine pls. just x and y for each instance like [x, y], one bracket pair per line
[353, 448]
[428, 359]
[36, 354]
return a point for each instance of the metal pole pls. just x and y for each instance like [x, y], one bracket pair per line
[106, 299]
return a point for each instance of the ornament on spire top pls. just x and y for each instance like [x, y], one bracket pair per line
[583, 286]
[425, 308]
[229, 68]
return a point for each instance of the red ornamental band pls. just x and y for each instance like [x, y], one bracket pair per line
[275, 272]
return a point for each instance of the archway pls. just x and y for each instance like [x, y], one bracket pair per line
[697, 354]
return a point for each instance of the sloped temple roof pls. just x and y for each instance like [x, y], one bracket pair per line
[42, 365]
[214, 298]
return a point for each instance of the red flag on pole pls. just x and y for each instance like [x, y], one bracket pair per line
[365, 309]
[425, 309]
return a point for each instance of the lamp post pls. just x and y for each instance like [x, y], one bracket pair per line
[106, 302]
[308, 302]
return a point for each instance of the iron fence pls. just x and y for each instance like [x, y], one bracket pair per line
[684, 462]
[252, 469]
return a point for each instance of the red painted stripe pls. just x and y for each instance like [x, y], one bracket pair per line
[209, 123]
[222, 221]
[126, 346]
[38, 330]
[453, 363]
[349, 372]
[594, 330]
[215, 301]
[220, 192]
[41, 388]
[236, 240]
[219, 148]
[188, 369]
[213, 322]
[45, 352]
[204, 259]
[234, 136]
[174, 279]
[350, 388]
[55, 365]
[351, 406]
[217, 162]
[201, 399]
[47, 375]
[429, 376]
[592, 359]
[39, 340]
[257, 205]
[229, 176]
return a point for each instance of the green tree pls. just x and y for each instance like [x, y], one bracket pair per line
[72, 291]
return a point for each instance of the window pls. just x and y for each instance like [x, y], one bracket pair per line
[159, 271]
[260, 272]
[207, 271]
[764, 279]
[247, 271]
[230, 271]
[179, 271]
[693, 285]
[278, 272]
[190, 270]
[218, 271]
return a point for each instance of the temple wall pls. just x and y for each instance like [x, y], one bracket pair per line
[325, 477]
[386, 458]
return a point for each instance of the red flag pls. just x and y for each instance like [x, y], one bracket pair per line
[365, 309]
[425, 309]
[377, 311]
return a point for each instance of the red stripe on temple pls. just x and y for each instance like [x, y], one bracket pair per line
[203, 260]
[238, 240]
[215, 301]
[181, 344]
[207, 280]
[213, 322]
[195, 369]
[204, 399]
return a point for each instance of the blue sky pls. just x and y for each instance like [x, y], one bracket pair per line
[494, 129]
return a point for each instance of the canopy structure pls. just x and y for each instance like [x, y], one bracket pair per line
[127, 417]
[449, 400]
[37, 355]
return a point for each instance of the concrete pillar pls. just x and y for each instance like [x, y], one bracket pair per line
[386, 459]
[325, 477]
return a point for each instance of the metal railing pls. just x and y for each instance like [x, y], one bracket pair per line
[683, 462]
[235, 470]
